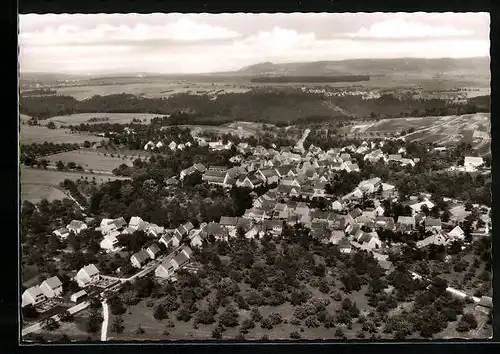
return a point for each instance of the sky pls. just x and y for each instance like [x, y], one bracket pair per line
[201, 43]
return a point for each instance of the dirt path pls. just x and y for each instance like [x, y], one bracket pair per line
[105, 315]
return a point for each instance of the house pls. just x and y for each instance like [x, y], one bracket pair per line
[153, 250]
[172, 181]
[345, 246]
[383, 262]
[200, 167]
[62, 233]
[33, 296]
[110, 242]
[286, 171]
[456, 233]
[269, 176]
[337, 222]
[405, 223]
[87, 275]
[436, 239]
[183, 230]
[228, 222]
[336, 236]
[215, 177]
[291, 181]
[351, 167]
[155, 230]
[136, 223]
[171, 239]
[195, 239]
[320, 231]
[432, 224]
[244, 223]
[255, 214]
[51, 287]
[370, 185]
[337, 205]
[379, 211]
[78, 295]
[172, 145]
[216, 230]
[384, 222]
[417, 207]
[394, 157]
[249, 181]
[319, 188]
[374, 156]
[355, 213]
[76, 226]
[275, 226]
[110, 225]
[472, 163]
[345, 157]
[302, 209]
[320, 216]
[369, 241]
[188, 171]
[356, 194]
[218, 168]
[140, 258]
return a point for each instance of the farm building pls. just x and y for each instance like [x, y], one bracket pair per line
[78, 295]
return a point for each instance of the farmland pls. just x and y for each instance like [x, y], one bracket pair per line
[90, 160]
[37, 134]
[473, 129]
[151, 89]
[120, 118]
[37, 184]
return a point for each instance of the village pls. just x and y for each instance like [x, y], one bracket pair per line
[296, 179]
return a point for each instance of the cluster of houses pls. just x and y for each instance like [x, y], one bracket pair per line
[37, 294]
[471, 164]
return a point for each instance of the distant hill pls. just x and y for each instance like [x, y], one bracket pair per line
[371, 67]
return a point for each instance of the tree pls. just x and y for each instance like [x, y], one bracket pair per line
[467, 322]
[66, 316]
[94, 322]
[140, 330]
[51, 125]
[205, 317]
[183, 314]
[86, 144]
[160, 313]
[51, 324]
[218, 331]
[229, 318]
[295, 335]
[116, 306]
[247, 325]
[60, 165]
[339, 333]
[117, 326]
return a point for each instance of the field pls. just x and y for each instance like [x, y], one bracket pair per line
[243, 129]
[120, 118]
[90, 160]
[151, 89]
[473, 129]
[37, 184]
[35, 134]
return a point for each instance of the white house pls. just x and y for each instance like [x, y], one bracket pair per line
[457, 233]
[172, 145]
[472, 163]
[110, 243]
[140, 258]
[33, 296]
[78, 295]
[51, 287]
[76, 226]
[61, 233]
[136, 223]
[153, 250]
[337, 205]
[87, 275]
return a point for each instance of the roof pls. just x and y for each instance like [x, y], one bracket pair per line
[154, 248]
[280, 207]
[214, 176]
[187, 250]
[301, 205]
[90, 270]
[53, 282]
[141, 256]
[318, 214]
[188, 226]
[268, 172]
[181, 258]
[356, 212]
[228, 221]
[214, 228]
[120, 222]
[62, 230]
[34, 291]
[200, 167]
[366, 237]
[344, 243]
[407, 220]
[384, 264]
[432, 222]
[76, 224]
[244, 223]
[486, 301]
[271, 224]
[79, 293]
[135, 220]
[473, 160]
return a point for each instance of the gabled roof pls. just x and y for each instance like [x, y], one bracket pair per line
[120, 222]
[90, 270]
[154, 248]
[34, 291]
[432, 222]
[271, 224]
[356, 212]
[214, 228]
[200, 167]
[214, 176]
[228, 221]
[186, 250]
[486, 301]
[318, 214]
[244, 223]
[181, 258]
[301, 205]
[77, 224]
[141, 256]
[62, 230]
[53, 282]
[406, 220]
[188, 226]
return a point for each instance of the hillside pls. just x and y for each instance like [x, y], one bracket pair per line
[372, 67]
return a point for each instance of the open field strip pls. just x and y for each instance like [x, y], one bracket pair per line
[75, 119]
[90, 160]
[35, 134]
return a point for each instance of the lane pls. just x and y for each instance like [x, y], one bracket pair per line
[105, 315]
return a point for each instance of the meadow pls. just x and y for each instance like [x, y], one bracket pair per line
[90, 160]
[120, 118]
[29, 134]
[37, 184]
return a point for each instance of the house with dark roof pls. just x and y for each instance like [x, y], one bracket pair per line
[268, 175]
[52, 287]
[355, 213]
[215, 177]
[432, 224]
[228, 222]
[318, 215]
[216, 230]
[405, 223]
[244, 223]
[153, 250]
[384, 222]
[344, 246]
[140, 258]
[255, 214]
[274, 226]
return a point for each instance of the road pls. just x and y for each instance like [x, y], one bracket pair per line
[72, 310]
[105, 315]
[300, 143]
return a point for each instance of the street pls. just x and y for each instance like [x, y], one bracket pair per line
[105, 315]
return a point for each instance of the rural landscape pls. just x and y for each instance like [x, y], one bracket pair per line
[340, 198]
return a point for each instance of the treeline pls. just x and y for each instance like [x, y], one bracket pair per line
[44, 91]
[296, 79]
[75, 193]
[47, 148]
[258, 105]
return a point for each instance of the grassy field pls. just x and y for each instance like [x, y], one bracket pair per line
[151, 89]
[121, 118]
[91, 159]
[36, 134]
[37, 184]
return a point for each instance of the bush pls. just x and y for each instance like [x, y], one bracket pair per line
[256, 316]
[160, 313]
[295, 322]
[312, 322]
[51, 324]
[337, 296]
[275, 319]
[339, 333]
[205, 317]
[183, 314]
[140, 330]
[247, 325]
[295, 335]
[267, 323]
[229, 318]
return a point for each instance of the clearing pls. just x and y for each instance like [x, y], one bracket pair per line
[29, 134]
[37, 184]
[120, 118]
[91, 159]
